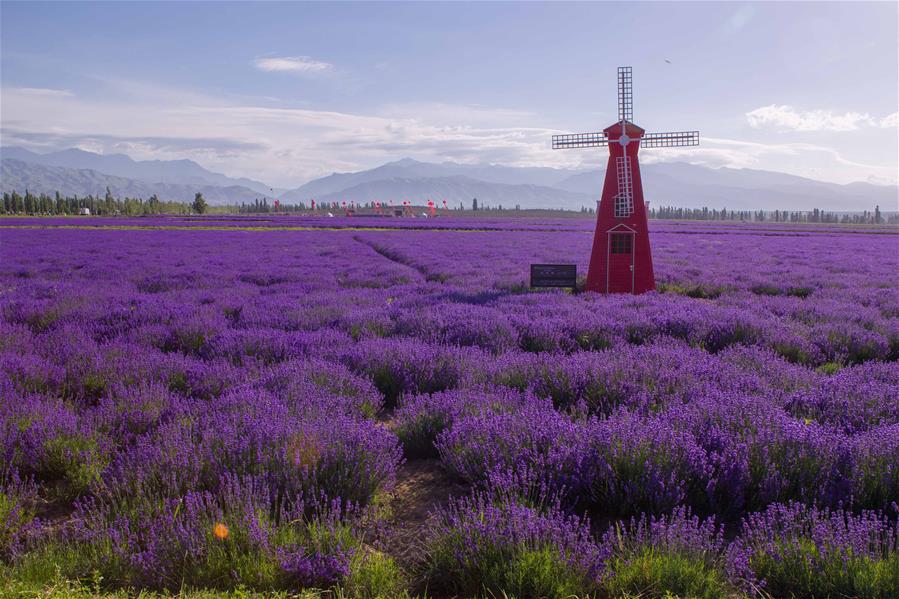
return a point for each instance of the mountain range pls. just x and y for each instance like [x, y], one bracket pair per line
[39, 178]
[75, 171]
[185, 172]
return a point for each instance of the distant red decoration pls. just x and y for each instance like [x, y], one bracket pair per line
[432, 208]
[621, 260]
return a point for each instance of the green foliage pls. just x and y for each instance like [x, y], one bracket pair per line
[374, 575]
[538, 573]
[597, 340]
[802, 292]
[59, 587]
[386, 382]
[74, 459]
[16, 515]
[199, 205]
[44, 204]
[766, 289]
[658, 574]
[52, 564]
[801, 569]
[792, 352]
[521, 571]
[417, 436]
[45, 576]
[695, 290]
[829, 368]
[204, 559]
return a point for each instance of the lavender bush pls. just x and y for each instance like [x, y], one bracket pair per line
[420, 419]
[659, 556]
[534, 437]
[791, 549]
[240, 534]
[480, 545]
[18, 509]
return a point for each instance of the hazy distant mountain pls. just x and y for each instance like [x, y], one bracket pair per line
[120, 165]
[407, 169]
[665, 184]
[38, 178]
[456, 190]
[691, 185]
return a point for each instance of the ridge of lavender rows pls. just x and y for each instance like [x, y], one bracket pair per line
[156, 382]
[574, 222]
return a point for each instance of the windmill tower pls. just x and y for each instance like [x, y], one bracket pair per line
[621, 260]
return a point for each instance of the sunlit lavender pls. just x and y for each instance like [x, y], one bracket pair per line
[218, 402]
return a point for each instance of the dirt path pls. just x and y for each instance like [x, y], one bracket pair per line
[422, 487]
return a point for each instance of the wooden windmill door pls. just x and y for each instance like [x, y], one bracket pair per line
[620, 271]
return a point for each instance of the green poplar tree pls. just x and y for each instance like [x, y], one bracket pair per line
[199, 205]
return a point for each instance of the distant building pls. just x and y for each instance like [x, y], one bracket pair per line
[85, 212]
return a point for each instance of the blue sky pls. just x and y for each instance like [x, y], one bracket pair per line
[284, 92]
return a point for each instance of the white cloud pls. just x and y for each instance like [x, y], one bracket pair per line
[787, 118]
[287, 146]
[891, 120]
[804, 159]
[294, 64]
[459, 114]
[43, 92]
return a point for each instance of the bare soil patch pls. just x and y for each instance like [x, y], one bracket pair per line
[423, 486]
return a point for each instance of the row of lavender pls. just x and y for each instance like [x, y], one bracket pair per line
[163, 383]
[443, 222]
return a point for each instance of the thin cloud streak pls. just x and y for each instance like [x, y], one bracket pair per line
[43, 92]
[294, 64]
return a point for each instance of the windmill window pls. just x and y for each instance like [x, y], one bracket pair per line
[624, 206]
[622, 243]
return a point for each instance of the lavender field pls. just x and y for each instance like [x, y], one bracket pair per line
[382, 408]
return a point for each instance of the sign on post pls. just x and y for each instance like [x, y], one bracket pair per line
[554, 275]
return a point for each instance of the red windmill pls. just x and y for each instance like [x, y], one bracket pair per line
[621, 260]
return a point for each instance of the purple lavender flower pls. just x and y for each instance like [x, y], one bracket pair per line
[480, 543]
[793, 549]
[19, 526]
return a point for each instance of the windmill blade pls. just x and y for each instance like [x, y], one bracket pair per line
[625, 94]
[671, 139]
[580, 140]
[624, 200]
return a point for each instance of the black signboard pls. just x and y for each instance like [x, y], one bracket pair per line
[554, 275]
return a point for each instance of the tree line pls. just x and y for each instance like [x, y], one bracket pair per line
[109, 205]
[775, 216]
